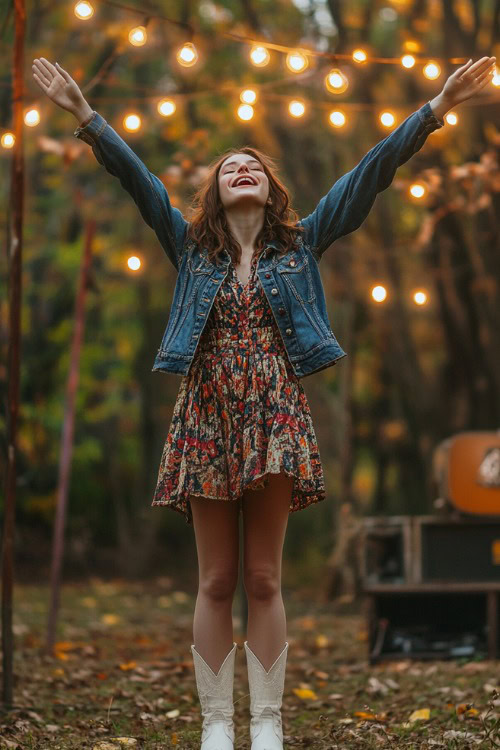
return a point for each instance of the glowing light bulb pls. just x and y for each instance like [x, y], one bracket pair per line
[359, 56]
[296, 61]
[31, 117]
[337, 118]
[134, 263]
[132, 122]
[166, 107]
[83, 10]
[245, 111]
[408, 61]
[387, 119]
[451, 118]
[187, 55]
[420, 297]
[248, 96]
[417, 190]
[379, 293]
[432, 70]
[336, 82]
[411, 45]
[8, 140]
[138, 36]
[296, 108]
[259, 56]
[495, 79]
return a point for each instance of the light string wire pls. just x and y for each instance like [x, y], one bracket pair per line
[193, 32]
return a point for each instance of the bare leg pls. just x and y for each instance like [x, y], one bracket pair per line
[265, 518]
[216, 527]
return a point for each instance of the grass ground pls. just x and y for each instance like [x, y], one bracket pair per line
[122, 668]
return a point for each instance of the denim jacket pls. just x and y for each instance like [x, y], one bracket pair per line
[291, 283]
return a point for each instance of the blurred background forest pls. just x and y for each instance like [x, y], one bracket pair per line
[414, 375]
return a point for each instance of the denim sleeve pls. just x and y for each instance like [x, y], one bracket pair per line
[147, 190]
[347, 204]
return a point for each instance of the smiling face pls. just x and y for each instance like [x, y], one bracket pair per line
[242, 179]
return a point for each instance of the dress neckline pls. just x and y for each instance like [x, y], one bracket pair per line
[251, 275]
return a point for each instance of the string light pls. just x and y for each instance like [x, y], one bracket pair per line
[166, 107]
[134, 263]
[337, 118]
[451, 118]
[259, 56]
[432, 70]
[417, 190]
[8, 139]
[187, 55]
[420, 297]
[496, 78]
[359, 56]
[296, 61]
[32, 117]
[248, 96]
[132, 122]
[387, 119]
[336, 82]
[408, 61]
[379, 293]
[138, 36]
[83, 10]
[296, 108]
[245, 112]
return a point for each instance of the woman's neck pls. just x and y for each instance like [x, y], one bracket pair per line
[245, 224]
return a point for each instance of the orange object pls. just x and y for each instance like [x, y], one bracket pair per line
[467, 471]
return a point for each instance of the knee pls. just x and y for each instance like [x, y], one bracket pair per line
[219, 587]
[262, 582]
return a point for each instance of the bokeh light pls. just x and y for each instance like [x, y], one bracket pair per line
[259, 56]
[83, 10]
[379, 293]
[187, 55]
[138, 36]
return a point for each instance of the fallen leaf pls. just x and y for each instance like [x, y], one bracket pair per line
[305, 693]
[110, 619]
[128, 665]
[422, 714]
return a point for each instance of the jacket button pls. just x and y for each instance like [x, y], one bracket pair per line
[281, 310]
[292, 262]
[268, 275]
[274, 290]
[289, 331]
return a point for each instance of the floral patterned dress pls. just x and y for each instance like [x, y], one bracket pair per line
[241, 412]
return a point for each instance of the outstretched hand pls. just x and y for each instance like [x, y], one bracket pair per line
[468, 80]
[57, 84]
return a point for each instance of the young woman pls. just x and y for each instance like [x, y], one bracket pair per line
[247, 322]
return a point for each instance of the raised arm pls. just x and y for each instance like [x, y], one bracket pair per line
[344, 208]
[347, 204]
[116, 157]
[147, 190]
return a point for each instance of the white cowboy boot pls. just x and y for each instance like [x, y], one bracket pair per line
[216, 698]
[266, 693]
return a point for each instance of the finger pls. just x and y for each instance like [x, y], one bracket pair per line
[51, 70]
[462, 68]
[478, 66]
[41, 72]
[485, 75]
[40, 83]
[64, 74]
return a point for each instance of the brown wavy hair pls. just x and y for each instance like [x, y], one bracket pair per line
[208, 225]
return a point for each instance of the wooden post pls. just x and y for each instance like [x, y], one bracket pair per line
[67, 436]
[13, 366]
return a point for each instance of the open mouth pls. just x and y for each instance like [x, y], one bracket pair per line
[243, 180]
